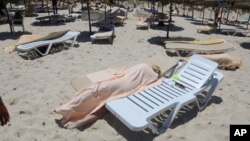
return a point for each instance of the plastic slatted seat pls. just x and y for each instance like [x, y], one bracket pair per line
[136, 111]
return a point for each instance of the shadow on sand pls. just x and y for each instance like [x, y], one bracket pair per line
[84, 37]
[126, 132]
[198, 23]
[186, 114]
[162, 40]
[47, 23]
[245, 45]
[14, 35]
[172, 28]
[157, 40]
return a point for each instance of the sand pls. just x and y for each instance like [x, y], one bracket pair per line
[32, 89]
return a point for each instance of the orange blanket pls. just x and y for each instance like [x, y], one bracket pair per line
[88, 104]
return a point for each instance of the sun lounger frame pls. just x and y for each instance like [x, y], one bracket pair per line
[137, 111]
[49, 43]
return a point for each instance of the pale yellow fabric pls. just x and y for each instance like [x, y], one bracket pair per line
[208, 41]
[103, 75]
[80, 82]
[98, 76]
[163, 62]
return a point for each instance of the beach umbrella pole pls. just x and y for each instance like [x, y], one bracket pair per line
[248, 20]
[184, 6]
[192, 11]
[90, 32]
[237, 14]
[105, 11]
[221, 17]
[10, 3]
[7, 15]
[170, 18]
[24, 2]
[47, 3]
[203, 13]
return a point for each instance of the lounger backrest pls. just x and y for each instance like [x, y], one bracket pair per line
[197, 71]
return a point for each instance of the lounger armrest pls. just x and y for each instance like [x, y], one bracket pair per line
[217, 77]
[173, 69]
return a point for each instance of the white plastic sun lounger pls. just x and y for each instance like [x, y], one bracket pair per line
[70, 35]
[138, 110]
[142, 24]
[234, 32]
[103, 35]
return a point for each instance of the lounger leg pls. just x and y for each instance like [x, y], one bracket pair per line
[203, 104]
[167, 122]
[178, 53]
[46, 52]
[13, 28]
[48, 49]
[23, 27]
[73, 42]
[110, 40]
[37, 50]
[234, 33]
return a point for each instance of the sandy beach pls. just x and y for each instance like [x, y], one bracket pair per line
[32, 89]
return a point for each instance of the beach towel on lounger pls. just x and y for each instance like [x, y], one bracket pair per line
[88, 102]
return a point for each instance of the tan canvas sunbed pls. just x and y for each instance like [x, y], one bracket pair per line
[197, 48]
[199, 42]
